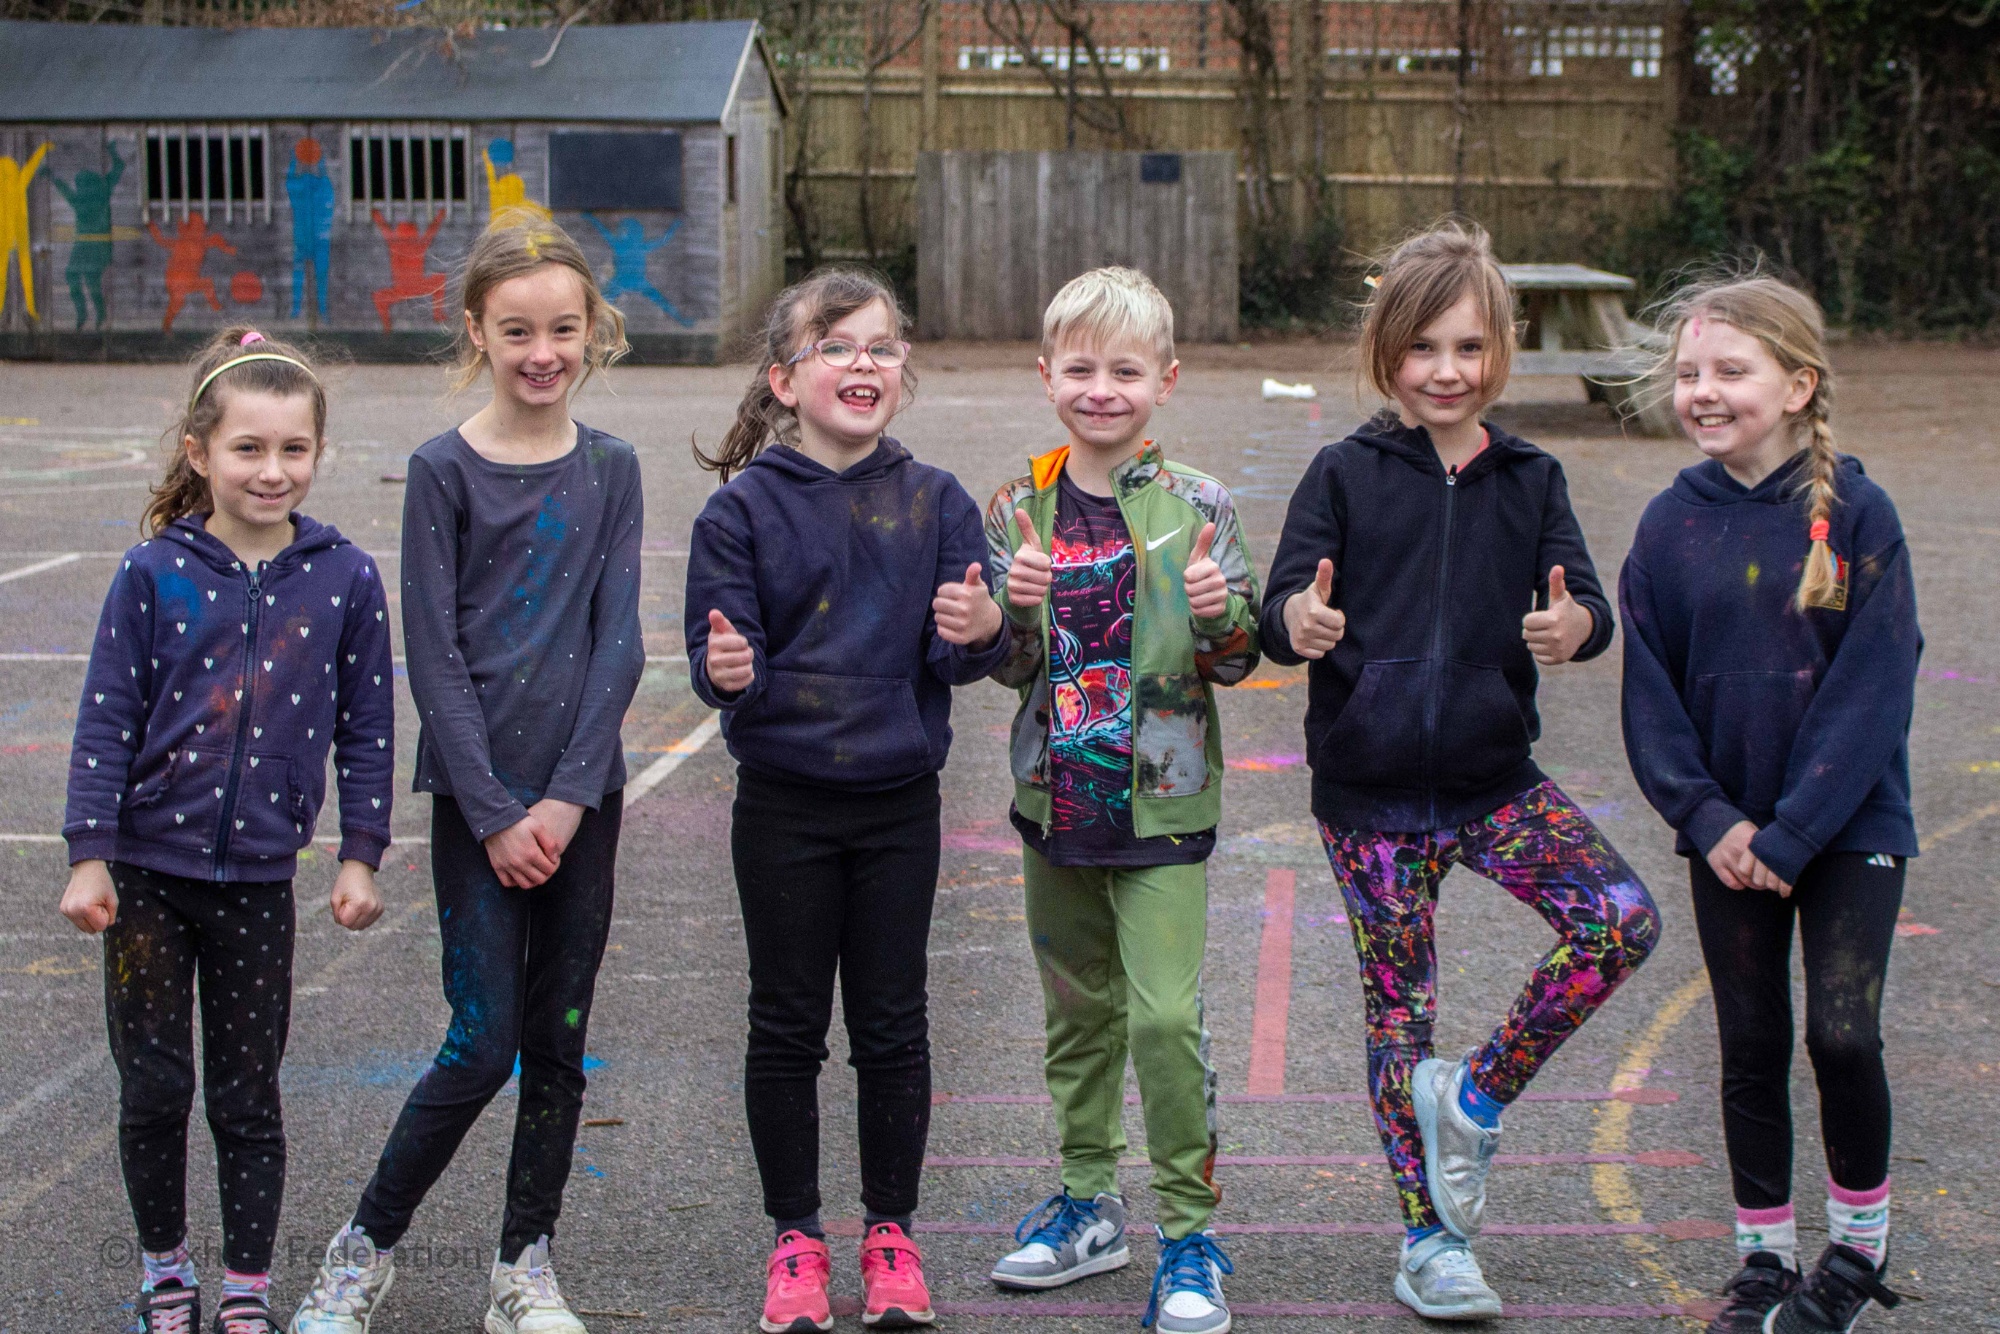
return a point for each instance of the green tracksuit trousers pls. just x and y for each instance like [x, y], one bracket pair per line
[1119, 949]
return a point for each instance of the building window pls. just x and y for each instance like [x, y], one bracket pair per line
[394, 167]
[1544, 50]
[207, 169]
[1131, 59]
[729, 170]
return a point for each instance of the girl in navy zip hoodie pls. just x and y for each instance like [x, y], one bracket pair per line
[1411, 574]
[1771, 648]
[238, 643]
[836, 593]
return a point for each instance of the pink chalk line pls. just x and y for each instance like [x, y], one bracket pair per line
[1642, 1097]
[1042, 1310]
[1274, 985]
[1649, 1158]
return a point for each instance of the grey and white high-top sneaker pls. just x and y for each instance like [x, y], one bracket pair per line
[353, 1279]
[1064, 1239]
[525, 1297]
[1438, 1278]
[1458, 1151]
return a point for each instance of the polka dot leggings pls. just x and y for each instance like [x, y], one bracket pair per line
[236, 938]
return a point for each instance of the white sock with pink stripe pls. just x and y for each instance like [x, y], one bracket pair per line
[1859, 1219]
[1773, 1230]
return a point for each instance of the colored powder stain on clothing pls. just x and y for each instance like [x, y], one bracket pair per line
[573, 1018]
[1750, 574]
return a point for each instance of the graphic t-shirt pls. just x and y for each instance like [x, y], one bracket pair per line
[1090, 696]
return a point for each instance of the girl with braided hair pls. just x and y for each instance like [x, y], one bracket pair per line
[1771, 649]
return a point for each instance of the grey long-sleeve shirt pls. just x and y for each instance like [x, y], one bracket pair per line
[521, 622]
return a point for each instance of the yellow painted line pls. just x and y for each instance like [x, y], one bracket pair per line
[1960, 825]
[1612, 1183]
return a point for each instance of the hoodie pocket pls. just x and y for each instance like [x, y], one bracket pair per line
[177, 805]
[847, 730]
[1481, 733]
[1377, 739]
[1749, 720]
[271, 818]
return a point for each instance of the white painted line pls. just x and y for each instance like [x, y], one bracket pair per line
[677, 754]
[51, 563]
[53, 1087]
[29, 838]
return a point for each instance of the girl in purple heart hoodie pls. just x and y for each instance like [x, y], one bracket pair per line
[238, 644]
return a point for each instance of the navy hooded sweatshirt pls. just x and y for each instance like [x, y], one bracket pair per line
[212, 696]
[1423, 716]
[1740, 707]
[830, 577]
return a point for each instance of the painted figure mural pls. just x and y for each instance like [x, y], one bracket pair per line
[408, 280]
[311, 191]
[506, 192]
[186, 252]
[14, 178]
[89, 196]
[629, 252]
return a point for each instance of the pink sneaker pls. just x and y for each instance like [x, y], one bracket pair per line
[795, 1287]
[892, 1279]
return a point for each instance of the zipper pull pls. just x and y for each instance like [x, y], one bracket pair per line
[1451, 477]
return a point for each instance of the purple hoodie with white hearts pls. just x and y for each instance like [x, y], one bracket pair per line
[212, 697]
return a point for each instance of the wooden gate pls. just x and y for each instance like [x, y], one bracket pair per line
[998, 233]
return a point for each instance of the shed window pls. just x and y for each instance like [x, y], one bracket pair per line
[207, 169]
[729, 171]
[390, 166]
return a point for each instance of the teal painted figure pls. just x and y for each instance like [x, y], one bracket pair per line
[311, 191]
[629, 252]
[89, 197]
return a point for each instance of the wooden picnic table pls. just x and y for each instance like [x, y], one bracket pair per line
[1576, 324]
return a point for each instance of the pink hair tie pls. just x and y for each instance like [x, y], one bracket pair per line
[1819, 530]
[252, 337]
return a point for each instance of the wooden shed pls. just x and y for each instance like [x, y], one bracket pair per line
[157, 183]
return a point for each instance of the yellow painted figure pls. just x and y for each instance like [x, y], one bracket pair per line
[507, 193]
[14, 180]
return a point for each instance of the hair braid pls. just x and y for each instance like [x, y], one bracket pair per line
[1820, 585]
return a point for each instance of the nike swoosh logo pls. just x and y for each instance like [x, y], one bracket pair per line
[1156, 544]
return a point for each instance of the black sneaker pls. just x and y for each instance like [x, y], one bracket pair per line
[244, 1315]
[170, 1309]
[1829, 1299]
[1761, 1284]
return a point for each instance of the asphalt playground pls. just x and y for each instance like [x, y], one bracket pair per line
[1610, 1209]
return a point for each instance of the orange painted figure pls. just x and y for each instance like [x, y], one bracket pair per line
[407, 279]
[14, 180]
[185, 254]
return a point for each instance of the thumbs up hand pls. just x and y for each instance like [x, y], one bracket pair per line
[1556, 634]
[965, 612]
[1028, 579]
[1207, 590]
[1314, 626]
[731, 663]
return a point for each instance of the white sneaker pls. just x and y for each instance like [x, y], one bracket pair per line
[1458, 1151]
[1438, 1279]
[526, 1299]
[353, 1279]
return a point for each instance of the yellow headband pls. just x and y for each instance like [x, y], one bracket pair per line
[234, 362]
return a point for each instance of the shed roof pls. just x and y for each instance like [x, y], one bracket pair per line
[685, 72]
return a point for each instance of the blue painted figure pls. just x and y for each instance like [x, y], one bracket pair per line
[629, 252]
[311, 192]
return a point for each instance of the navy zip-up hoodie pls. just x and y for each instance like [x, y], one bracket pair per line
[1739, 707]
[1423, 716]
[212, 696]
[830, 577]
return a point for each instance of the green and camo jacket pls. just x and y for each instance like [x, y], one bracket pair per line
[1176, 660]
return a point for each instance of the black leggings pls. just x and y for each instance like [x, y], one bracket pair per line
[837, 881]
[520, 968]
[236, 938]
[1846, 907]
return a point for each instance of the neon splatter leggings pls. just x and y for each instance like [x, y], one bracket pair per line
[1546, 853]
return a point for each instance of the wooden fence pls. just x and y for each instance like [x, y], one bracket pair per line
[1550, 166]
[998, 233]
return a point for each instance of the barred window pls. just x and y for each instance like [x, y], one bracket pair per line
[391, 167]
[207, 169]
